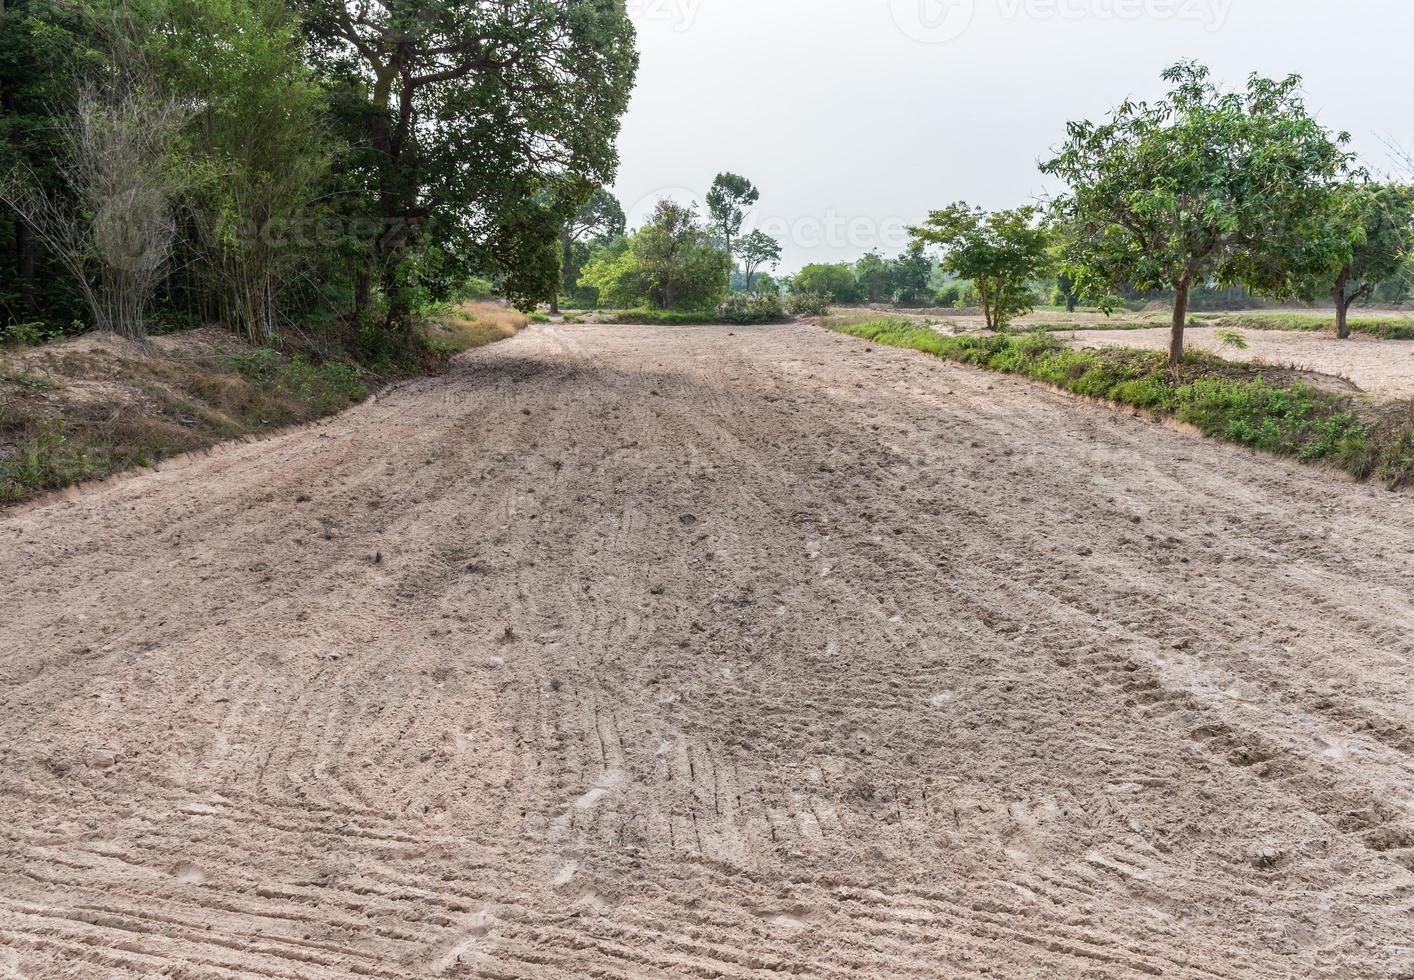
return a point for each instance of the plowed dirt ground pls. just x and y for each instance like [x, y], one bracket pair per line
[709, 652]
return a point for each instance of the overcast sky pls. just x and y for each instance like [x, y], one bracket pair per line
[855, 117]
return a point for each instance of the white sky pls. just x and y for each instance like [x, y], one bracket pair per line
[854, 117]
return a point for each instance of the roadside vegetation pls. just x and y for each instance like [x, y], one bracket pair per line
[1259, 407]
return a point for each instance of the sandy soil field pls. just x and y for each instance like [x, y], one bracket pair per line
[631, 652]
[1381, 367]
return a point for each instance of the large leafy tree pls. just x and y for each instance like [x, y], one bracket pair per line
[1000, 252]
[598, 221]
[871, 272]
[678, 262]
[1203, 186]
[672, 262]
[757, 250]
[1379, 222]
[727, 202]
[467, 113]
[835, 280]
[909, 275]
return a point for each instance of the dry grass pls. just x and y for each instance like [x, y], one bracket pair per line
[93, 406]
[474, 324]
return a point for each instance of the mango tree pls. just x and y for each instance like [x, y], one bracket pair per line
[1000, 253]
[1204, 186]
[1379, 220]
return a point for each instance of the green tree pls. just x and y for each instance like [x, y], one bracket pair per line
[258, 149]
[679, 264]
[909, 275]
[1379, 222]
[1000, 253]
[872, 273]
[599, 220]
[1204, 186]
[727, 202]
[672, 262]
[757, 250]
[834, 280]
[1066, 291]
[463, 115]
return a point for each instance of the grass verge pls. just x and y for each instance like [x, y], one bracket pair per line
[1261, 408]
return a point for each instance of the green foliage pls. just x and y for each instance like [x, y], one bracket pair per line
[727, 201]
[909, 275]
[475, 134]
[671, 262]
[30, 334]
[1204, 186]
[1232, 339]
[999, 253]
[837, 281]
[807, 303]
[1378, 222]
[950, 296]
[766, 308]
[613, 279]
[757, 250]
[1229, 401]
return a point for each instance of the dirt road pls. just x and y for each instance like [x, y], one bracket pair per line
[710, 652]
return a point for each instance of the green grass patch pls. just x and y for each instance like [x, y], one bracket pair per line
[1383, 327]
[1242, 403]
[668, 318]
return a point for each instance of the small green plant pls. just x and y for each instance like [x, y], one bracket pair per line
[537, 317]
[1232, 339]
[30, 334]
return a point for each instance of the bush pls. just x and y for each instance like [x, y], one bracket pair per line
[30, 334]
[838, 282]
[950, 296]
[807, 304]
[738, 308]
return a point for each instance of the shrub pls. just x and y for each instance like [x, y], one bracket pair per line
[807, 304]
[950, 296]
[738, 308]
[838, 282]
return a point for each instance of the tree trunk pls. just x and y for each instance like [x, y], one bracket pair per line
[555, 303]
[363, 292]
[24, 264]
[1342, 308]
[1180, 320]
